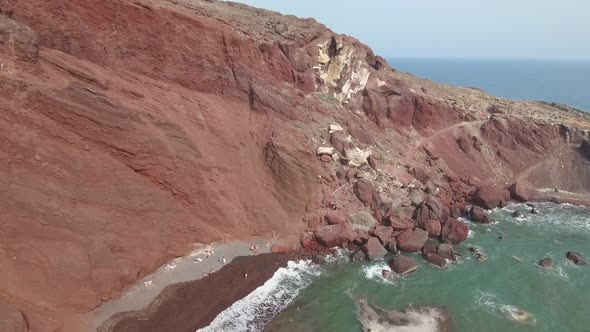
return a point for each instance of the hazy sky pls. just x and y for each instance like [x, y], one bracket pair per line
[532, 29]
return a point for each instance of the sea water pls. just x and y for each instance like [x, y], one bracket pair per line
[479, 296]
[560, 81]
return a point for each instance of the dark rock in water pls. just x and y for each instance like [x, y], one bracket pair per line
[447, 251]
[517, 214]
[435, 259]
[403, 264]
[374, 250]
[454, 231]
[575, 258]
[386, 274]
[533, 211]
[546, 263]
[358, 256]
[392, 247]
[429, 247]
[412, 240]
[479, 215]
[531, 205]
[419, 318]
[319, 259]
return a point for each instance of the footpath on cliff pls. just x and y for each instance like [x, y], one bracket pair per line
[131, 130]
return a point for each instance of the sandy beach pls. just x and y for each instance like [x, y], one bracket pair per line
[203, 263]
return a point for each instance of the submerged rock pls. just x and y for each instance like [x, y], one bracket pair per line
[358, 256]
[575, 258]
[546, 263]
[447, 251]
[516, 214]
[420, 318]
[435, 259]
[319, 259]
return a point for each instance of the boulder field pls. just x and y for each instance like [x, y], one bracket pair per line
[132, 130]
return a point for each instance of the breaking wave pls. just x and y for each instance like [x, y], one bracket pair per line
[256, 310]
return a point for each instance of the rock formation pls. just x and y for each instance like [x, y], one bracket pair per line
[132, 130]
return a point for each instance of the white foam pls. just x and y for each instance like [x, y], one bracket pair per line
[375, 273]
[420, 320]
[256, 310]
[493, 305]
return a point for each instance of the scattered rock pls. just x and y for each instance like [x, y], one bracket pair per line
[335, 218]
[399, 224]
[364, 190]
[546, 263]
[319, 259]
[447, 251]
[356, 157]
[372, 162]
[374, 250]
[325, 150]
[358, 256]
[412, 240]
[455, 212]
[433, 227]
[517, 214]
[334, 128]
[11, 319]
[383, 233]
[454, 231]
[575, 258]
[326, 158]
[435, 260]
[429, 247]
[416, 197]
[340, 142]
[386, 274]
[403, 264]
[490, 197]
[430, 209]
[531, 205]
[362, 221]
[534, 211]
[479, 215]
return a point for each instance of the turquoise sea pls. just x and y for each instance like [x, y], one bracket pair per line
[561, 81]
[478, 296]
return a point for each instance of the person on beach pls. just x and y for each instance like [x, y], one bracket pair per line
[245, 274]
[223, 260]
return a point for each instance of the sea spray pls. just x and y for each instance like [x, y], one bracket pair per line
[256, 310]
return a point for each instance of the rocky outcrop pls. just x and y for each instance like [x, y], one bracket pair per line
[334, 235]
[575, 258]
[365, 191]
[480, 216]
[403, 265]
[430, 209]
[374, 250]
[490, 197]
[435, 259]
[522, 192]
[454, 231]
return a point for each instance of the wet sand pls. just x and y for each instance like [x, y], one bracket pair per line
[189, 306]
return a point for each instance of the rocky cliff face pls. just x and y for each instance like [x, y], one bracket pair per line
[131, 130]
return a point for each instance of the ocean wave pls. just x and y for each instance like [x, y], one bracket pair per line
[492, 304]
[375, 273]
[256, 310]
[413, 319]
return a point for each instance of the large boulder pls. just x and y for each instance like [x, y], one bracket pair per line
[398, 224]
[340, 142]
[403, 264]
[480, 216]
[358, 256]
[575, 258]
[454, 231]
[363, 221]
[430, 209]
[490, 197]
[373, 249]
[412, 240]
[364, 190]
[11, 319]
[383, 233]
[435, 260]
[433, 227]
[416, 197]
[334, 235]
[546, 263]
[521, 191]
[429, 247]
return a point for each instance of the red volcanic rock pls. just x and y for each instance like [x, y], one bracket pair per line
[447, 251]
[11, 319]
[364, 190]
[373, 249]
[431, 209]
[340, 142]
[521, 191]
[433, 227]
[412, 240]
[403, 264]
[575, 258]
[421, 173]
[398, 224]
[454, 232]
[334, 235]
[435, 260]
[480, 216]
[429, 247]
[490, 197]
[372, 161]
[335, 218]
[383, 233]
[546, 263]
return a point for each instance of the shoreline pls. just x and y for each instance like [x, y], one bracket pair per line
[191, 268]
